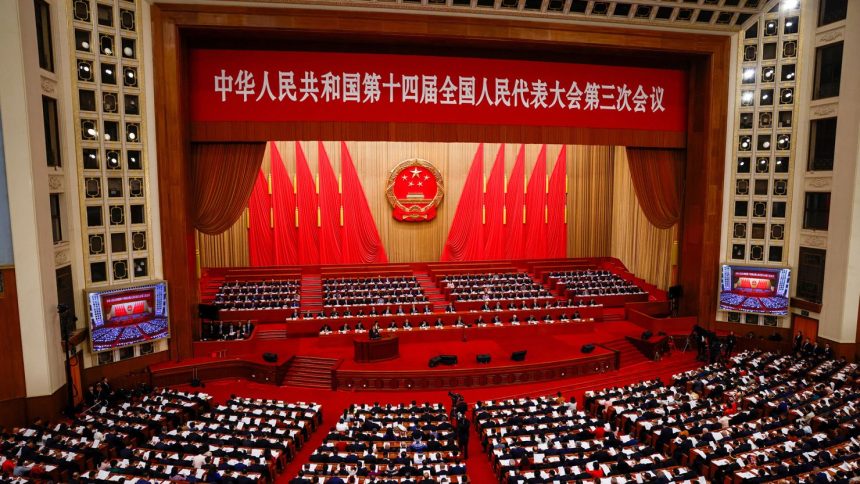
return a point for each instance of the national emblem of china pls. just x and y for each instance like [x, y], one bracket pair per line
[414, 190]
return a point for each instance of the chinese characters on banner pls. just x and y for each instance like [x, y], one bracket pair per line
[312, 86]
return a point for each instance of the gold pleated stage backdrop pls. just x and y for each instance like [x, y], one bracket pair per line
[591, 195]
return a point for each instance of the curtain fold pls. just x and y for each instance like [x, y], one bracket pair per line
[284, 208]
[308, 211]
[556, 231]
[331, 231]
[260, 232]
[645, 249]
[535, 224]
[494, 208]
[514, 207]
[218, 200]
[361, 241]
[656, 175]
[465, 238]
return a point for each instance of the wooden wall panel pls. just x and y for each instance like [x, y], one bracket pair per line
[11, 356]
[589, 198]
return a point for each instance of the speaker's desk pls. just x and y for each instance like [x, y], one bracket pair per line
[369, 350]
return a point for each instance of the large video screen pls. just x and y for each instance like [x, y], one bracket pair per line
[760, 290]
[124, 317]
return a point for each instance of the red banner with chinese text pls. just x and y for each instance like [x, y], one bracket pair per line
[276, 86]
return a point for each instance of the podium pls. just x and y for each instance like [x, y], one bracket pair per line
[371, 350]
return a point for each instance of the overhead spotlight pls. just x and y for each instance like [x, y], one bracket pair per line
[85, 45]
[768, 73]
[766, 144]
[107, 137]
[789, 23]
[749, 74]
[747, 97]
[128, 51]
[132, 136]
[91, 132]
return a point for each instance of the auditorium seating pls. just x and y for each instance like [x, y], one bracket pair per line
[385, 443]
[257, 294]
[761, 417]
[385, 294]
[546, 439]
[225, 330]
[556, 313]
[159, 435]
[591, 283]
[67, 448]
[504, 288]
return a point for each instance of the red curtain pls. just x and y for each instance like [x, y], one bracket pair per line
[514, 205]
[657, 175]
[308, 211]
[535, 225]
[331, 231]
[361, 242]
[465, 239]
[260, 233]
[284, 208]
[218, 200]
[556, 230]
[494, 208]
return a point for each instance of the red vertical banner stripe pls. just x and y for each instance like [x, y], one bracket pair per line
[260, 232]
[494, 203]
[331, 231]
[361, 241]
[308, 210]
[284, 208]
[465, 239]
[535, 225]
[515, 204]
[556, 232]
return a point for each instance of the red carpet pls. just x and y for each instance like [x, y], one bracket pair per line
[478, 466]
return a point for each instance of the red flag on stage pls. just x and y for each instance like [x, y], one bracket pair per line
[284, 209]
[330, 207]
[556, 231]
[260, 233]
[308, 211]
[514, 204]
[535, 225]
[361, 242]
[494, 209]
[465, 239]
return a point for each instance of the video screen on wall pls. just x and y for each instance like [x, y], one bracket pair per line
[124, 317]
[761, 290]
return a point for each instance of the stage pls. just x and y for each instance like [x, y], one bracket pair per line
[553, 351]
